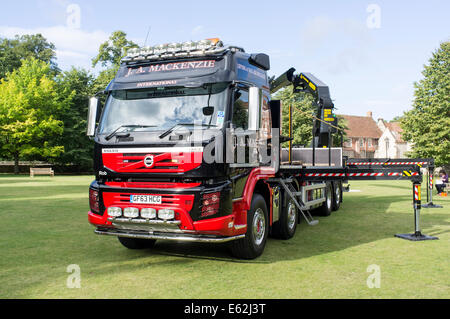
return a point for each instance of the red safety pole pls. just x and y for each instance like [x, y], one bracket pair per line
[417, 201]
[430, 203]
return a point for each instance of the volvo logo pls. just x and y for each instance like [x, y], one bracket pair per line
[149, 161]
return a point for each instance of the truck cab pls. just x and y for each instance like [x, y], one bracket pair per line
[168, 143]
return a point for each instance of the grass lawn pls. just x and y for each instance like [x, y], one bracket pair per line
[44, 229]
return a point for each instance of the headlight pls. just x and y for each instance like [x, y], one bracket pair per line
[204, 44]
[189, 46]
[131, 212]
[160, 49]
[148, 213]
[166, 214]
[210, 204]
[114, 211]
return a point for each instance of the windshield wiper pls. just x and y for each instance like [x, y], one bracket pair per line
[170, 130]
[110, 136]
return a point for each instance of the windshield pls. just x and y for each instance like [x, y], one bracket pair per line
[162, 108]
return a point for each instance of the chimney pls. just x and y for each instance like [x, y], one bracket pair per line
[369, 114]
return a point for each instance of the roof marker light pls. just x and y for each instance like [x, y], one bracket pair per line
[168, 51]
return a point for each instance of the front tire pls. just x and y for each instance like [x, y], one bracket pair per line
[137, 243]
[252, 245]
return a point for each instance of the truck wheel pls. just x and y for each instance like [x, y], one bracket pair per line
[285, 228]
[137, 243]
[337, 196]
[252, 245]
[327, 206]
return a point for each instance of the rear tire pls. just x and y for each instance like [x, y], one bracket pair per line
[287, 225]
[337, 196]
[327, 206]
[137, 243]
[252, 245]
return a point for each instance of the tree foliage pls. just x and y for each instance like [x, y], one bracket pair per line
[29, 100]
[13, 51]
[78, 148]
[103, 79]
[427, 125]
[303, 113]
[112, 51]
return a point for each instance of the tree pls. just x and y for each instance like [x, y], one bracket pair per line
[103, 79]
[396, 119]
[427, 125]
[29, 100]
[77, 146]
[14, 51]
[339, 138]
[112, 51]
[303, 114]
[109, 55]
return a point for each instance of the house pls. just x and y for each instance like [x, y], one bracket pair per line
[391, 143]
[363, 135]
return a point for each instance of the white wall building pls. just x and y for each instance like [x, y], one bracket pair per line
[391, 144]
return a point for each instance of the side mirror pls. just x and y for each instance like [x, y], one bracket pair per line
[92, 116]
[261, 60]
[208, 110]
[254, 107]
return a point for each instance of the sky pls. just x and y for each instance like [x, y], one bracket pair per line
[370, 53]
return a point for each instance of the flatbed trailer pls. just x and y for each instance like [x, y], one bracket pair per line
[161, 175]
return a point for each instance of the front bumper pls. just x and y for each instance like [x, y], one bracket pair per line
[167, 236]
[183, 200]
[221, 226]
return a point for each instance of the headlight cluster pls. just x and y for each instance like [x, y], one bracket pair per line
[210, 204]
[94, 202]
[146, 213]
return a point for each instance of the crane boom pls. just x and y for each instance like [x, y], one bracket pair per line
[325, 123]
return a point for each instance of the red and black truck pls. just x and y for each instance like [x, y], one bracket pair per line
[187, 148]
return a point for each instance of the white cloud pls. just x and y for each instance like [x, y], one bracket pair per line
[62, 54]
[341, 43]
[197, 30]
[74, 46]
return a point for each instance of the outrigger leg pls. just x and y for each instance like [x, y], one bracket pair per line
[430, 203]
[417, 236]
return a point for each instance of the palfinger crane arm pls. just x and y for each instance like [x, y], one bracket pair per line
[306, 82]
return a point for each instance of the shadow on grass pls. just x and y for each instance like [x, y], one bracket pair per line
[348, 227]
[406, 188]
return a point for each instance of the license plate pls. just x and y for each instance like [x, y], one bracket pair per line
[145, 199]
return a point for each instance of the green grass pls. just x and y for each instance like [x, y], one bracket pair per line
[44, 229]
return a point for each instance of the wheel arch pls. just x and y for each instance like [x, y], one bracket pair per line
[256, 182]
[264, 190]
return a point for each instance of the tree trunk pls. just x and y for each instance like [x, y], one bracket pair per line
[16, 164]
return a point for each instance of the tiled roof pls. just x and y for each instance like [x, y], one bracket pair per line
[361, 126]
[396, 130]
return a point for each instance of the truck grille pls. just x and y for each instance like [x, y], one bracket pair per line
[161, 162]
